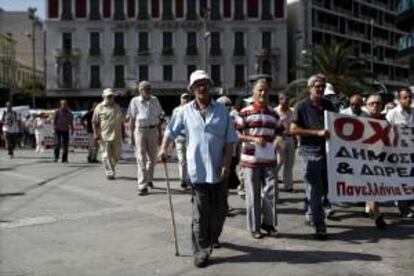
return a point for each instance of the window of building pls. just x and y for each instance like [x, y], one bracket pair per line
[119, 13]
[67, 10]
[266, 10]
[192, 43]
[107, 8]
[191, 10]
[95, 48]
[119, 43]
[94, 10]
[239, 44]
[203, 7]
[190, 68]
[227, 8]
[239, 75]
[267, 40]
[216, 74]
[67, 42]
[238, 9]
[167, 72]
[80, 8]
[215, 48]
[119, 76]
[215, 10]
[253, 8]
[167, 10]
[167, 43]
[155, 8]
[67, 74]
[53, 8]
[143, 72]
[179, 8]
[279, 8]
[131, 8]
[143, 9]
[143, 42]
[267, 67]
[95, 76]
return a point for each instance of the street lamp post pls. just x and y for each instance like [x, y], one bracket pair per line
[372, 53]
[206, 36]
[32, 16]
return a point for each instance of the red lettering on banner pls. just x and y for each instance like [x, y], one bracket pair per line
[357, 128]
[380, 134]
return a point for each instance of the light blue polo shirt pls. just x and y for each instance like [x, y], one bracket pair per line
[206, 139]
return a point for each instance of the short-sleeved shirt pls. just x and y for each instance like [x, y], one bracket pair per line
[206, 139]
[181, 137]
[257, 122]
[109, 119]
[145, 113]
[398, 116]
[63, 120]
[308, 116]
[10, 121]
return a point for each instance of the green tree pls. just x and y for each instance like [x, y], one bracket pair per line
[336, 61]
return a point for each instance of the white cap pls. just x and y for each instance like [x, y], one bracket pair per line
[196, 76]
[108, 92]
[329, 89]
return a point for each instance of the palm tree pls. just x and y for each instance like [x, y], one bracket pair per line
[342, 69]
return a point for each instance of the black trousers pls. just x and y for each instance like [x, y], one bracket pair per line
[61, 140]
[209, 210]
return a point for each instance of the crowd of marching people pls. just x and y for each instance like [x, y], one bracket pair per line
[222, 145]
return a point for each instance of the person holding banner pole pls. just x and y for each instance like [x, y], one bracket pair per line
[374, 107]
[403, 114]
[308, 123]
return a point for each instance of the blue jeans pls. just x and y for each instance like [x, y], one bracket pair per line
[315, 179]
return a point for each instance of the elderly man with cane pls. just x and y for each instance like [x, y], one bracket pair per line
[210, 137]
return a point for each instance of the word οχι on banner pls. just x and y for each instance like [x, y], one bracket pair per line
[369, 159]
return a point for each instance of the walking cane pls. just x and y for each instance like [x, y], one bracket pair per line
[171, 209]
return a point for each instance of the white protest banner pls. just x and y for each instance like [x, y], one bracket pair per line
[368, 159]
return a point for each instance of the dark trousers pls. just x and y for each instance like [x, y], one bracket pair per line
[11, 141]
[209, 204]
[61, 140]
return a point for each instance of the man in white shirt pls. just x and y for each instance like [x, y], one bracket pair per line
[355, 107]
[145, 117]
[11, 126]
[403, 114]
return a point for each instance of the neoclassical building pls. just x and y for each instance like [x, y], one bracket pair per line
[92, 44]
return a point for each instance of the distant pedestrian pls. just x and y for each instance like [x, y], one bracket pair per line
[286, 153]
[11, 127]
[62, 124]
[40, 130]
[210, 137]
[308, 123]
[258, 125]
[146, 116]
[107, 128]
[355, 107]
[93, 146]
[180, 144]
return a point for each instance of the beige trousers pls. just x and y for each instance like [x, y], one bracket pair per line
[146, 149]
[109, 158]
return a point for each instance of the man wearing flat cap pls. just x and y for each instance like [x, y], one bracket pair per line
[107, 129]
[146, 116]
[210, 137]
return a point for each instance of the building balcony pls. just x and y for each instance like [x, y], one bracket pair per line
[119, 51]
[94, 16]
[191, 51]
[215, 51]
[143, 16]
[239, 83]
[143, 51]
[67, 54]
[119, 84]
[119, 16]
[215, 16]
[167, 16]
[95, 84]
[239, 51]
[239, 16]
[191, 16]
[66, 16]
[168, 51]
[94, 51]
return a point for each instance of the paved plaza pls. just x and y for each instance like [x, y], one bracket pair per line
[67, 219]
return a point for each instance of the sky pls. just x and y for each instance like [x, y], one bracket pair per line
[22, 5]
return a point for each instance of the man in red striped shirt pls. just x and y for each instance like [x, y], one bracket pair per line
[258, 125]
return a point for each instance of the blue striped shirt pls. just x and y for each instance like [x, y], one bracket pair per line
[206, 139]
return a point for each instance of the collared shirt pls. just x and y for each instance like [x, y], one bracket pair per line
[256, 121]
[308, 116]
[109, 119]
[63, 120]
[145, 113]
[350, 112]
[206, 139]
[398, 116]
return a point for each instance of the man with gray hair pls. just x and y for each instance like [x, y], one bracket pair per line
[145, 117]
[308, 123]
